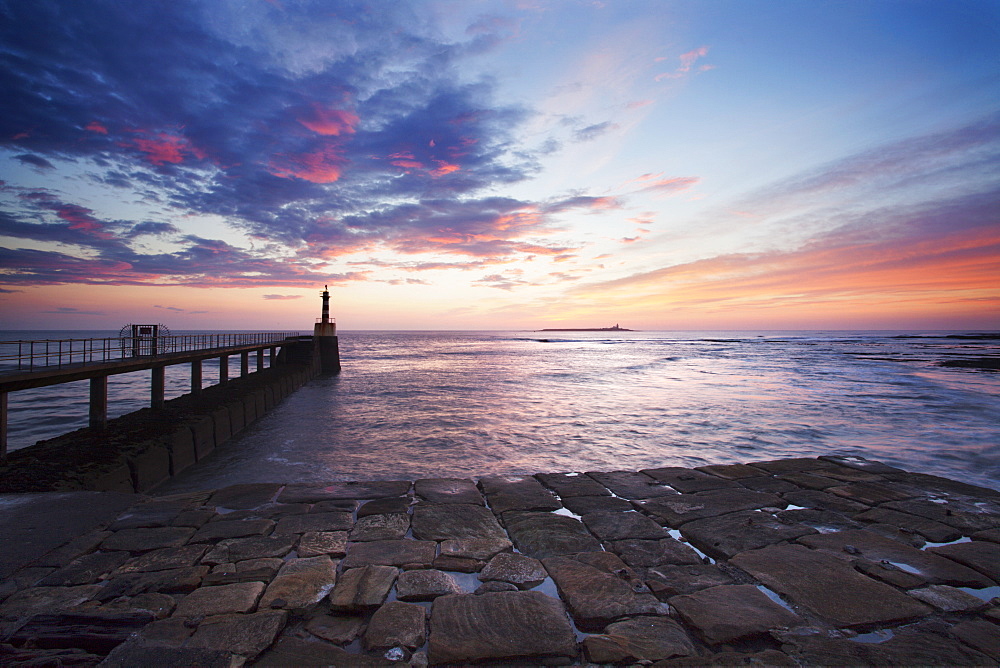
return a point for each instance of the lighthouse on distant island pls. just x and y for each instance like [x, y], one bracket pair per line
[325, 333]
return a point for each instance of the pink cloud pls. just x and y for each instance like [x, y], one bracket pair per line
[687, 62]
[330, 122]
[324, 165]
[658, 183]
[164, 147]
[94, 126]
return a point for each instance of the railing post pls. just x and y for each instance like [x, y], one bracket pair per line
[3, 426]
[223, 369]
[98, 402]
[156, 388]
[244, 363]
[196, 377]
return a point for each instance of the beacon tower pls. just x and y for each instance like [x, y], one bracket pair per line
[325, 333]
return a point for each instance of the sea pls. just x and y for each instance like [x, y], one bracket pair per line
[411, 405]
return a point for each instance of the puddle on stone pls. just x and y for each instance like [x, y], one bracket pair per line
[567, 512]
[986, 593]
[874, 637]
[963, 539]
[773, 595]
[904, 567]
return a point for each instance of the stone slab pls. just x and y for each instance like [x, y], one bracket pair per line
[388, 526]
[932, 567]
[824, 521]
[172, 581]
[243, 496]
[828, 586]
[596, 597]
[315, 543]
[907, 647]
[947, 599]
[516, 569]
[392, 504]
[426, 585]
[290, 651]
[396, 624]
[298, 524]
[688, 481]
[214, 531]
[507, 493]
[731, 471]
[475, 548]
[338, 629]
[499, 626]
[966, 514]
[812, 498]
[165, 559]
[85, 570]
[244, 635]
[143, 540]
[980, 635]
[448, 490]
[668, 581]
[41, 600]
[732, 612]
[727, 535]
[680, 508]
[872, 493]
[220, 600]
[980, 555]
[631, 485]
[643, 639]
[620, 526]
[647, 553]
[301, 584]
[362, 589]
[448, 521]
[255, 547]
[572, 484]
[390, 553]
[582, 505]
[542, 535]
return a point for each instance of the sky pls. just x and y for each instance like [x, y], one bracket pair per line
[500, 164]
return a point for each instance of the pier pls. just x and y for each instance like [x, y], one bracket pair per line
[30, 364]
[797, 562]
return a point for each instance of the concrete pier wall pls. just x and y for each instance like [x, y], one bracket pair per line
[138, 451]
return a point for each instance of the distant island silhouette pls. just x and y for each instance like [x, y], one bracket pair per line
[616, 328]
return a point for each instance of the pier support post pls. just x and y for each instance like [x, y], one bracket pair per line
[156, 387]
[260, 359]
[98, 402]
[3, 426]
[244, 363]
[196, 377]
[272, 353]
[223, 369]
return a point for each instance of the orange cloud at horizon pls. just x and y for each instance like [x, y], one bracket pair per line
[950, 277]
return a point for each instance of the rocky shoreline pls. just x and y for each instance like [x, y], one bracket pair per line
[828, 561]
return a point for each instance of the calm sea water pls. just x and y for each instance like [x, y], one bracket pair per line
[433, 404]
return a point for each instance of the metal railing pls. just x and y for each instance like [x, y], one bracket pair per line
[49, 353]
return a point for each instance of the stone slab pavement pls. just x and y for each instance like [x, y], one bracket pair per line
[798, 562]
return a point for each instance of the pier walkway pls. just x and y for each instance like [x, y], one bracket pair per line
[41, 363]
[811, 562]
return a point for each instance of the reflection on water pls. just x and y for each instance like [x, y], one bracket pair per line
[411, 405]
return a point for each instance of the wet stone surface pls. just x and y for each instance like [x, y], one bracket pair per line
[550, 569]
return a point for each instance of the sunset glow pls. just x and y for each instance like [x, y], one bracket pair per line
[497, 165]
